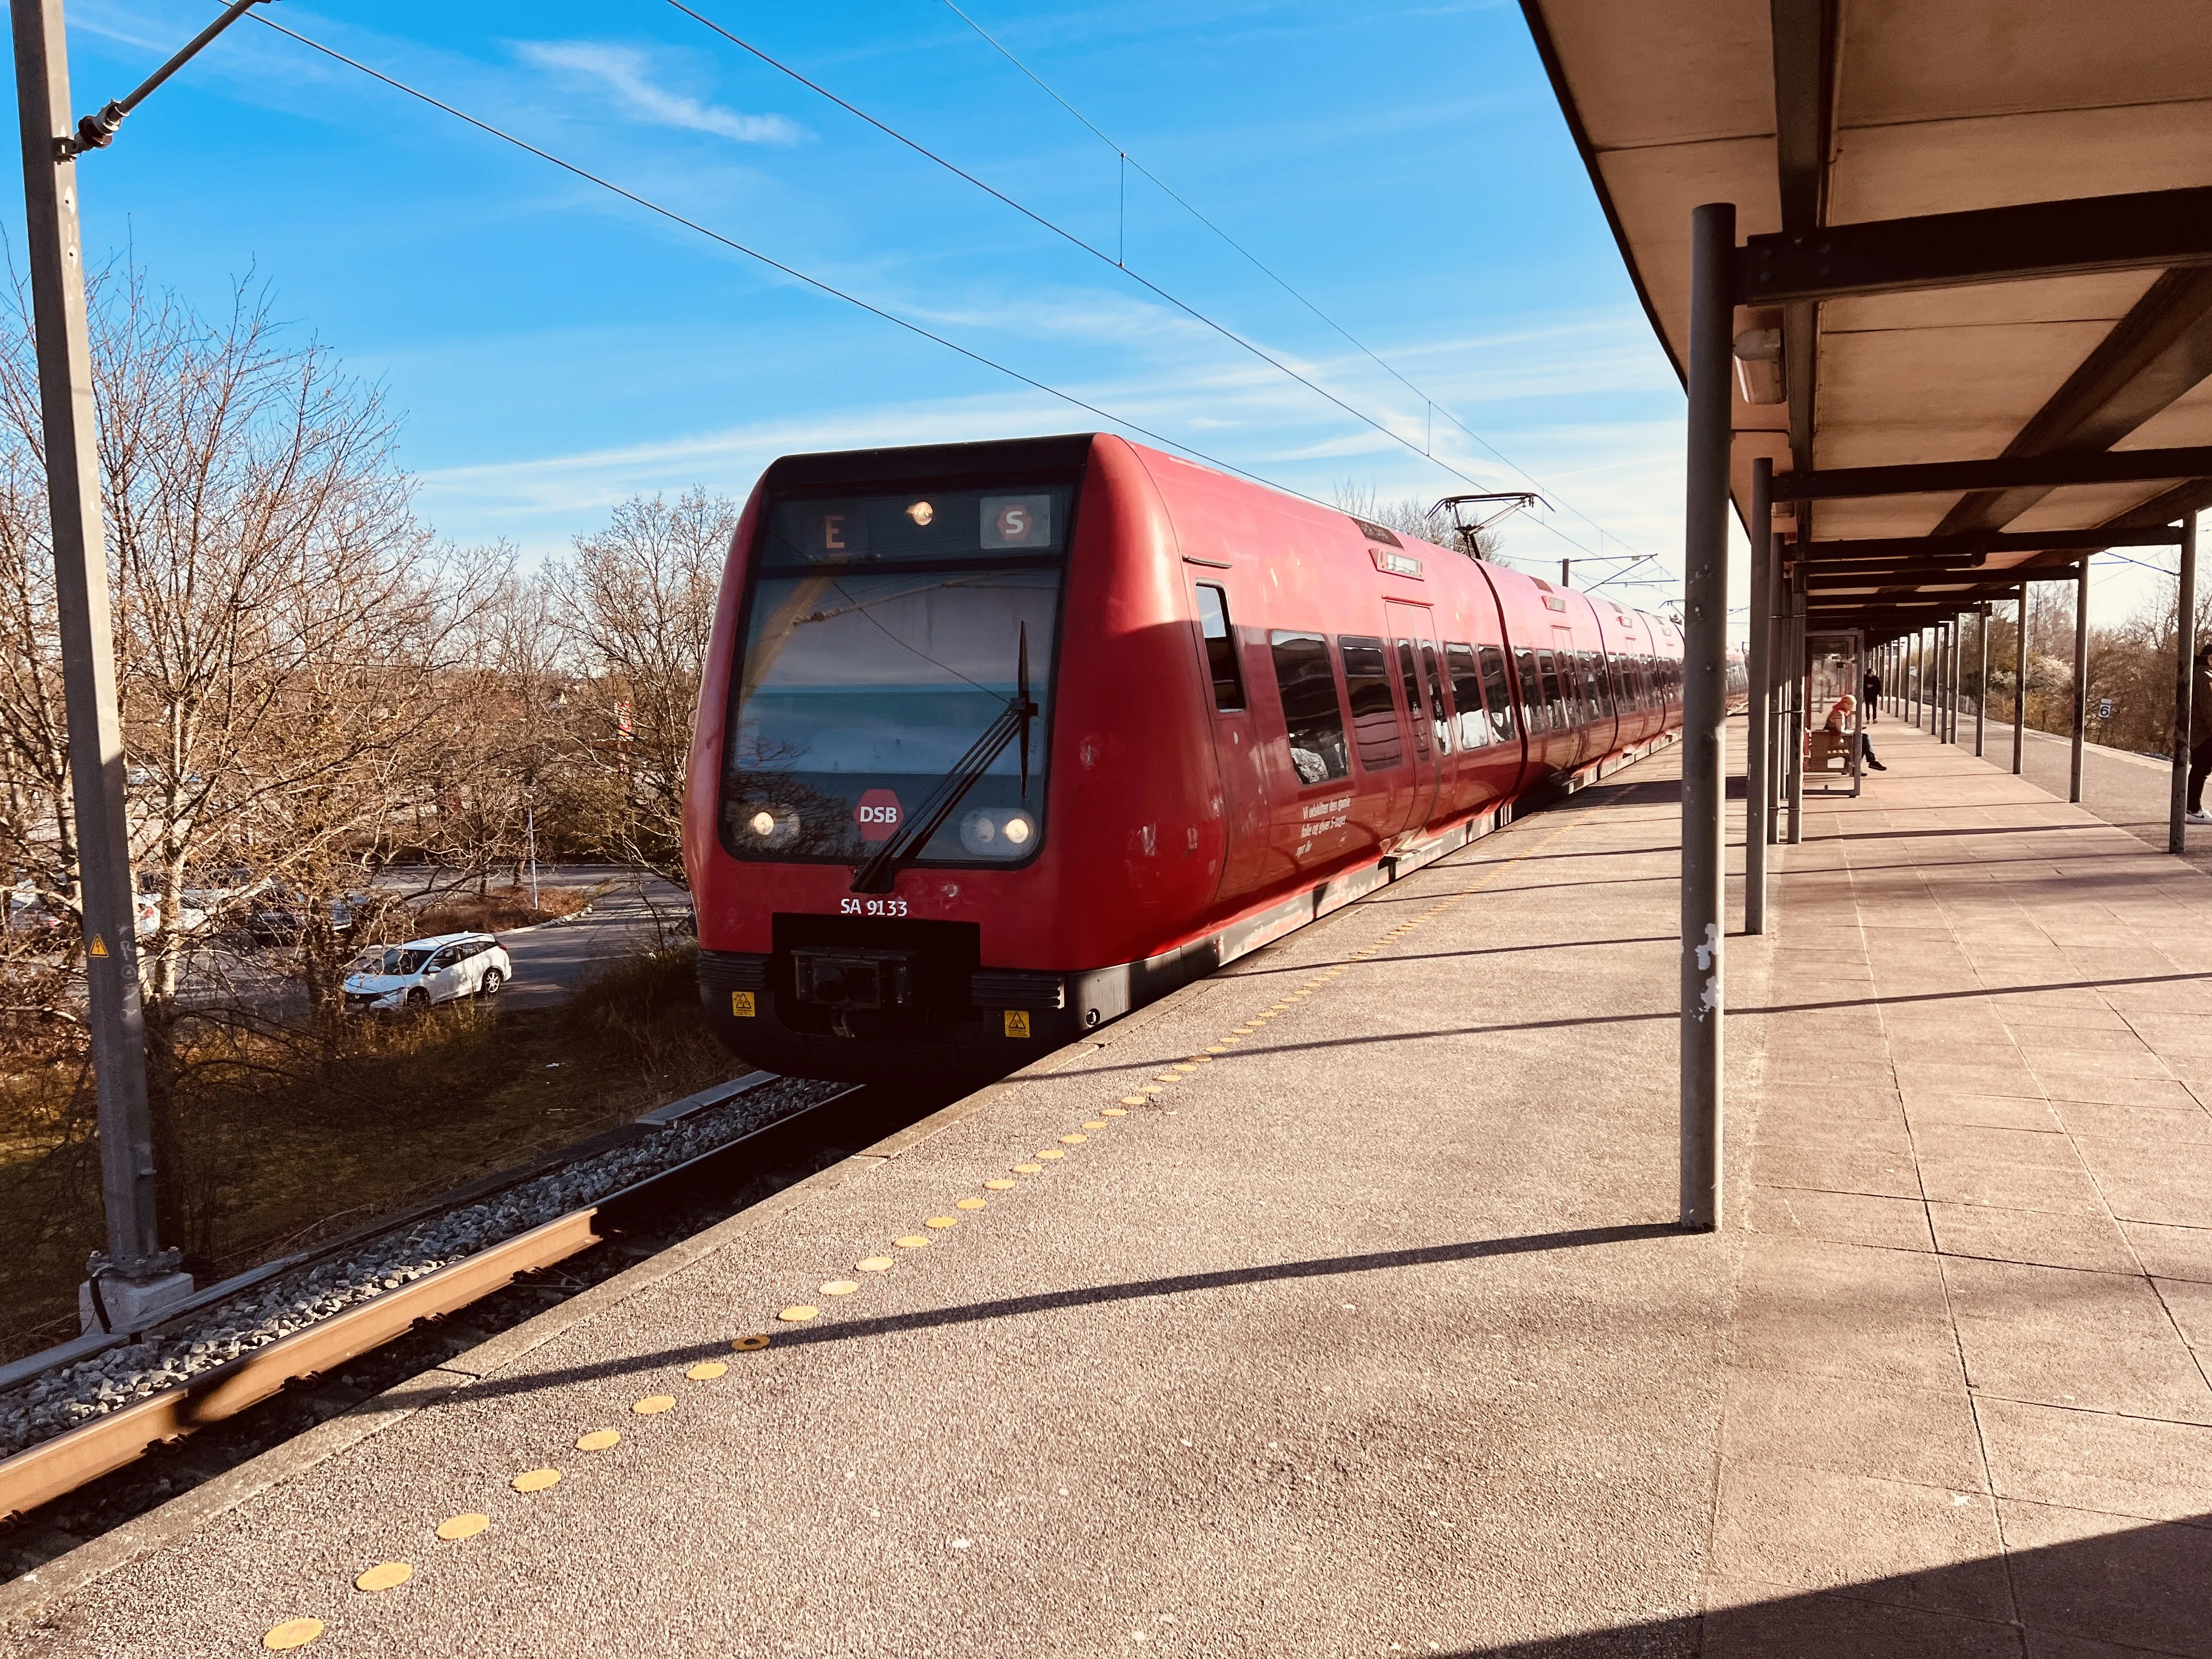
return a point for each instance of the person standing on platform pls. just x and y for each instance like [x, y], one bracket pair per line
[1872, 689]
[1839, 719]
[2200, 734]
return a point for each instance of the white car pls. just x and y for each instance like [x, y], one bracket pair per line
[427, 971]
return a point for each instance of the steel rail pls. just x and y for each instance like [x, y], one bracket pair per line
[75, 1458]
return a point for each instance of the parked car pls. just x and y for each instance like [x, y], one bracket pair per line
[279, 922]
[422, 971]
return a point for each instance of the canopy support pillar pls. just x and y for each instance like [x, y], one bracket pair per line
[1704, 692]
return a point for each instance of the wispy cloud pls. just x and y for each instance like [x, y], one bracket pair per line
[627, 72]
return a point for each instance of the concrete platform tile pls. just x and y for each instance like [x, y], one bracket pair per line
[2037, 1237]
[1819, 1530]
[1836, 1311]
[1811, 1121]
[2084, 1460]
[2057, 1039]
[2143, 1182]
[2096, 1087]
[2190, 1301]
[2100, 1341]
[1851, 1426]
[2094, 1576]
[1892, 1223]
[1968, 1179]
[1968, 1143]
[2013, 1078]
[1827, 1170]
[2163, 1126]
[1923, 1107]
[2171, 1252]
[1745, 1621]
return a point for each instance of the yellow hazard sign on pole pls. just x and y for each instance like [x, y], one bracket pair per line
[98, 945]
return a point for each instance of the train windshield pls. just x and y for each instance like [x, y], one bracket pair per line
[884, 636]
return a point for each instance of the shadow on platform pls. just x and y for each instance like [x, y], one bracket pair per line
[2140, 1589]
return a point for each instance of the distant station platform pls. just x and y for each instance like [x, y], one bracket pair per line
[1336, 1305]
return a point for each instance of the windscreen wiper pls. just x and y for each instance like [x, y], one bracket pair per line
[882, 866]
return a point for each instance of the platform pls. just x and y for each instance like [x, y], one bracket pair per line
[1361, 1325]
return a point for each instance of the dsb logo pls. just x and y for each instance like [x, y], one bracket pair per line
[877, 814]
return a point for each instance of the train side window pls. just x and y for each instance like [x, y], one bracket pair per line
[1532, 693]
[1495, 692]
[1555, 702]
[1467, 693]
[1439, 710]
[1310, 710]
[1409, 672]
[1374, 716]
[1220, 649]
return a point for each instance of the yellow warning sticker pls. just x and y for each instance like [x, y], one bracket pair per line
[100, 949]
[741, 1005]
[1017, 1021]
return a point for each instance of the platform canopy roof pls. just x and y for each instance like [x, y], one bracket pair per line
[1983, 231]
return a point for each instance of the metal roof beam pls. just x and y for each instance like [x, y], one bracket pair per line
[2146, 230]
[2007, 472]
[1974, 547]
[2153, 356]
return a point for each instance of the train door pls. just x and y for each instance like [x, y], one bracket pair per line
[1236, 741]
[1575, 705]
[1412, 644]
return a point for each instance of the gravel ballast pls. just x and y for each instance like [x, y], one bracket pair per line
[61, 1400]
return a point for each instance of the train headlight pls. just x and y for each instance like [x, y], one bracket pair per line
[995, 832]
[773, 827]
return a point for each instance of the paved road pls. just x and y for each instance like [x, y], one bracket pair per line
[550, 961]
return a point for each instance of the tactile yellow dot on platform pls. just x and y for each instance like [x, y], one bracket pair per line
[750, 1344]
[874, 1264]
[1028, 1169]
[941, 1222]
[654, 1404]
[536, 1480]
[707, 1370]
[1116, 1111]
[292, 1633]
[1133, 1100]
[970, 1203]
[841, 1287]
[998, 1186]
[912, 1242]
[798, 1313]
[383, 1575]
[463, 1526]
[1073, 1140]
[1052, 1151]
[598, 1440]
[1095, 1123]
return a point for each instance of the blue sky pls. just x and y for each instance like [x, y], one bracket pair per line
[555, 349]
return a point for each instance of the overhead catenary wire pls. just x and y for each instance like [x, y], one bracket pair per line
[1098, 253]
[1271, 274]
[773, 264]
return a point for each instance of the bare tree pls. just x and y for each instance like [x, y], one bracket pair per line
[1409, 517]
[637, 602]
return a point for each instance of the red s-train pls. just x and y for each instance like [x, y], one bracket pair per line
[998, 741]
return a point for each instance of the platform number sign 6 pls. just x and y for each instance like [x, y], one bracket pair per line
[1017, 521]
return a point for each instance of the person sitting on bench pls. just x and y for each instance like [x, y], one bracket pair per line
[1839, 718]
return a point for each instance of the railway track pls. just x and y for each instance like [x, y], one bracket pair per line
[106, 1472]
